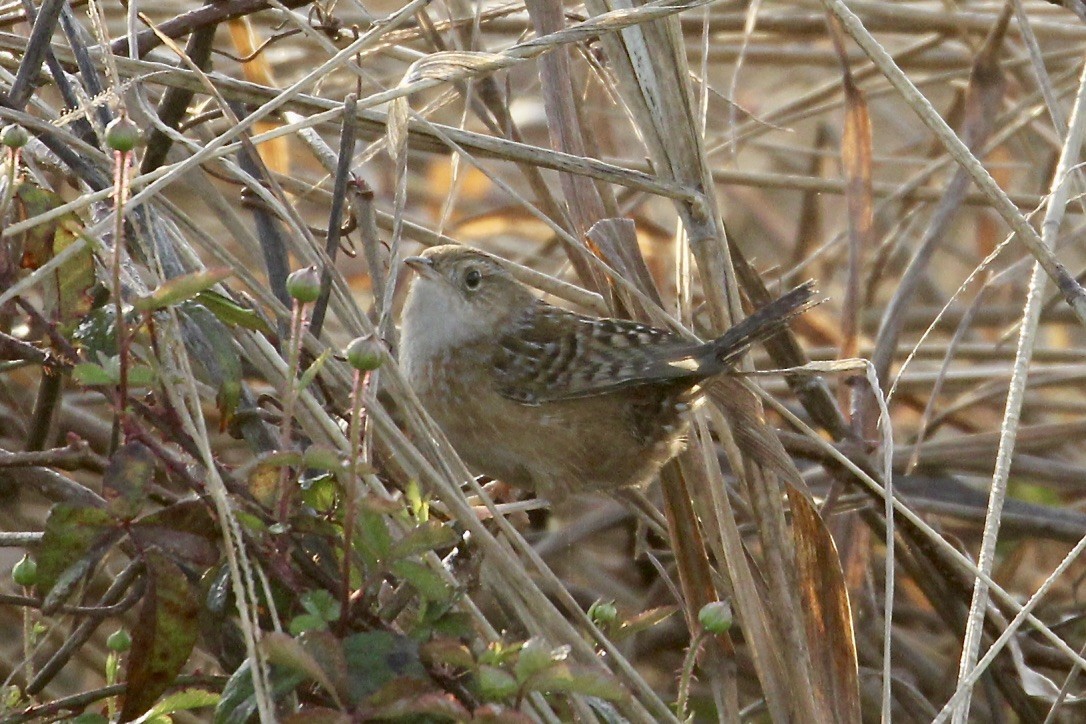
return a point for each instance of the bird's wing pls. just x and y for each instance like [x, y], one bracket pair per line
[553, 354]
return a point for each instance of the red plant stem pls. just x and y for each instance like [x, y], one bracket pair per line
[120, 193]
[350, 490]
[297, 332]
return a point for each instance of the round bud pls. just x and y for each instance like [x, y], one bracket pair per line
[364, 354]
[122, 134]
[304, 285]
[716, 617]
[119, 641]
[603, 613]
[25, 572]
[14, 136]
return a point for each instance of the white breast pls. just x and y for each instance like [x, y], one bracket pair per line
[436, 320]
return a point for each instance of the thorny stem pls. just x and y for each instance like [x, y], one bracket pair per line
[28, 644]
[298, 324]
[112, 662]
[9, 188]
[350, 489]
[120, 193]
[686, 677]
[76, 454]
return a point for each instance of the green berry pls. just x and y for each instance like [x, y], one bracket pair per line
[603, 613]
[716, 617]
[119, 641]
[25, 572]
[304, 285]
[14, 136]
[122, 134]
[364, 354]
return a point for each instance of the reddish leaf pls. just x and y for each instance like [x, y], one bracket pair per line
[184, 530]
[163, 636]
[829, 618]
[327, 650]
[67, 288]
[500, 715]
[317, 715]
[289, 652]
[131, 469]
[447, 651]
[409, 698]
[856, 160]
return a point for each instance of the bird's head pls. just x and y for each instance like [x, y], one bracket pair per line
[461, 293]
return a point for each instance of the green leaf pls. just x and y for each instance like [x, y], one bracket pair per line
[238, 702]
[306, 622]
[322, 458]
[97, 332]
[181, 289]
[567, 678]
[163, 637]
[320, 492]
[424, 538]
[89, 374]
[537, 656]
[372, 540]
[375, 658]
[415, 502]
[141, 376]
[70, 532]
[313, 370]
[214, 345]
[423, 579]
[183, 700]
[231, 313]
[262, 476]
[452, 623]
[494, 684]
[250, 522]
[89, 717]
[321, 603]
[75, 573]
[644, 621]
[109, 373]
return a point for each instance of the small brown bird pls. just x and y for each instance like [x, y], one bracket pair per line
[549, 400]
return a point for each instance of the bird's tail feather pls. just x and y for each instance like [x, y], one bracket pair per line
[765, 322]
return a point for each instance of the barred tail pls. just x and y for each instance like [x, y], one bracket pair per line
[761, 325]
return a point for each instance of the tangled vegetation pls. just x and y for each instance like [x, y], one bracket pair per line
[222, 501]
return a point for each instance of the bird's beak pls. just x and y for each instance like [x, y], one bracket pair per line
[422, 265]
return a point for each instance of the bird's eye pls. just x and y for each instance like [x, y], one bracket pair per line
[472, 279]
